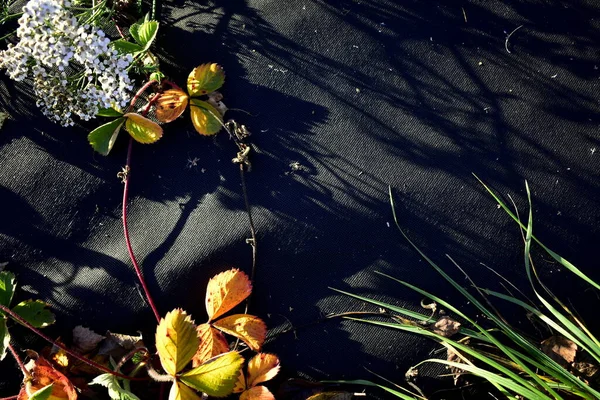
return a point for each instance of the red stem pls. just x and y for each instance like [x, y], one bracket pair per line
[139, 93]
[127, 170]
[73, 354]
[15, 397]
[136, 266]
[18, 360]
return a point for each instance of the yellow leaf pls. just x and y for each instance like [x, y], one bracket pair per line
[252, 330]
[204, 79]
[206, 119]
[61, 358]
[176, 341]
[142, 129]
[225, 291]
[240, 385]
[181, 392]
[170, 105]
[261, 368]
[216, 377]
[212, 343]
[257, 393]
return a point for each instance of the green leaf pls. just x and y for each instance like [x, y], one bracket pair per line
[8, 285]
[142, 129]
[4, 338]
[42, 394]
[204, 79]
[35, 312]
[217, 376]
[125, 47]
[103, 138]
[115, 391]
[109, 112]
[144, 33]
[206, 119]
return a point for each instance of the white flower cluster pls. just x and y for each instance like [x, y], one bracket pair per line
[73, 69]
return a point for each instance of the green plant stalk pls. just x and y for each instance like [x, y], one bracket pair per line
[565, 263]
[591, 344]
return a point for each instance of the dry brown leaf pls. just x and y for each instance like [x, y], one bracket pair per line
[456, 372]
[446, 326]
[252, 330]
[170, 105]
[586, 369]
[44, 374]
[262, 367]
[257, 393]
[116, 344]
[212, 343]
[216, 100]
[85, 340]
[560, 349]
[225, 291]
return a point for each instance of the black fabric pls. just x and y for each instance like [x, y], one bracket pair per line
[343, 98]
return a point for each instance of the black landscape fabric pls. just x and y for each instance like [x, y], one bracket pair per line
[342, 98]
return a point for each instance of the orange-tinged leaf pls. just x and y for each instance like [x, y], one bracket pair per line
[257, 393]
[142, 129]
[225, 291]
[181, 392]
[176, 341]
[170, 105]
[252, 330]
[204, 79]
[45, 374]
[206, 118]
[240, 385]
[212, 343]
[262, 367]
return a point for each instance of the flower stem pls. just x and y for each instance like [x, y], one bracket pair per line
[73, 354]
[125, 175]
[136, 267]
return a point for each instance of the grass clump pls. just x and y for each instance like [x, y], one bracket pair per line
[563, 366]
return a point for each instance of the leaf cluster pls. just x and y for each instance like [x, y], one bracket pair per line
[216, 370]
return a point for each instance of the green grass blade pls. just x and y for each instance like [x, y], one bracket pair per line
[494, 378]
[543, 317]
[363, 382]
[462, 347]
[399, 310]
[565, 263]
